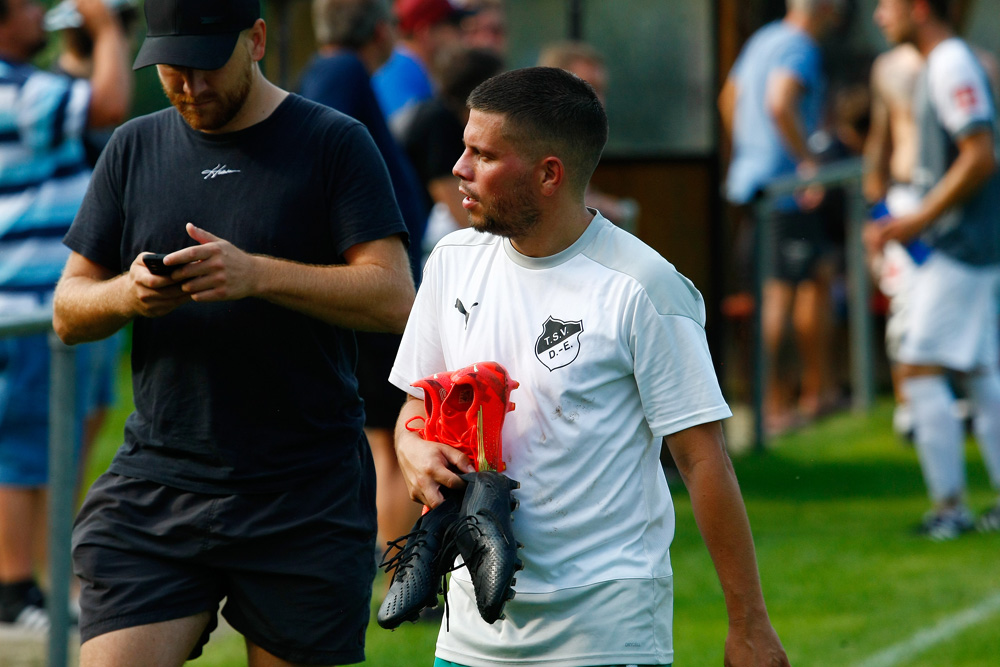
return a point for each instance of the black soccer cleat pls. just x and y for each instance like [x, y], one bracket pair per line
[484, 536]
[419, 565]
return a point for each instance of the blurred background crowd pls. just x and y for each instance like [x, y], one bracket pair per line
[661, 66]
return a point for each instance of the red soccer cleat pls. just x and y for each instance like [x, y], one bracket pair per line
[466, 409]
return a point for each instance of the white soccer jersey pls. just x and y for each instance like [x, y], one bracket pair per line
[607, 341]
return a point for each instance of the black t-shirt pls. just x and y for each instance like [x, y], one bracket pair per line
[240, 396]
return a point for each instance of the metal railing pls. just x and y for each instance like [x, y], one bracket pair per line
[844, 174]
[62, 472]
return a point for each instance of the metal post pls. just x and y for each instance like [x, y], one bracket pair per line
[859, 317]
[62, 485]
[575, 27]
[762, 209]
[847, 174]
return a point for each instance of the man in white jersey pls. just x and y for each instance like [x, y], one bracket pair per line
[607, 342]
[954, 321]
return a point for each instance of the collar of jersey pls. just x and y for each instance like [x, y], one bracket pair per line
[593, 229]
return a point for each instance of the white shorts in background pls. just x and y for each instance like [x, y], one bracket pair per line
[895, 271]
[954, 320]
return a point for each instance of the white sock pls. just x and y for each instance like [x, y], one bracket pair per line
[984, 390]
[937, 435]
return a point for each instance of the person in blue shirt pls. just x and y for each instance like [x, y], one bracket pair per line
[356, 37]
[771, 102]
[427, 28]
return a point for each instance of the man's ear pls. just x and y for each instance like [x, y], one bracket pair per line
[258, 40]
[552, 175]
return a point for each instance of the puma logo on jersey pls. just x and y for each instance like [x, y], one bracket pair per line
[461, 308]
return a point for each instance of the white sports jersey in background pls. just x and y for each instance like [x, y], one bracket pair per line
[607, 341]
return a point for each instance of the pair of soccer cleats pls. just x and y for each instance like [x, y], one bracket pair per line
[464, 409]
[474, 523]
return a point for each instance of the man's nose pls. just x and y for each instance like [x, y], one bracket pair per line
[461, 167]
[194, 82]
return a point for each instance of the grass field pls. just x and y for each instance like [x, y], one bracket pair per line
[846, 580]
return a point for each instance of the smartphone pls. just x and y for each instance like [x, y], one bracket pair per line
[154, 262]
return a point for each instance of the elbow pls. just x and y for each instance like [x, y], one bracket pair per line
[109, 106]
[990, 165]
[64, 331]
[399, 313]
[108, 115]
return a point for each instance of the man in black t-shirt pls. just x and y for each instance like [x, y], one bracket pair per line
[244, 473]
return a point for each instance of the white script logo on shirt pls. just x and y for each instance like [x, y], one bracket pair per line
[218, 170]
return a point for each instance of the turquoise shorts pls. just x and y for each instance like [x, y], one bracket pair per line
[438, 662]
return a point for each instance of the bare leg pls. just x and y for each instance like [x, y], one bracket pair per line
[812, 322]
[397, 512]
[165, 644]
[258, 657]
[774, 315]
[19, 528]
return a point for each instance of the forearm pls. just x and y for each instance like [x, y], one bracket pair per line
[722, 520]
[704, 465]
[967, 174]
[112, 81]
[700, 453]
[370, 297]
[726, 104]
[792, 135]
[86, 309]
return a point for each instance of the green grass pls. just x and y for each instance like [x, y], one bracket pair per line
[832, 508]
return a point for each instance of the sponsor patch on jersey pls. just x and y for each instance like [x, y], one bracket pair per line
[559, 344]
[965, 98]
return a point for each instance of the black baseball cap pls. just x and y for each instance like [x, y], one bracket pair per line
[200, 34]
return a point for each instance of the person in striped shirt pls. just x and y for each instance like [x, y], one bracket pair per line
[43, 177]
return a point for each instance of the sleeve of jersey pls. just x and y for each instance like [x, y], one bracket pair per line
[421, 351]
[673, 370]
[96, 231]
[363, 206]
[959, 92]
[799, 61]
[51, 110]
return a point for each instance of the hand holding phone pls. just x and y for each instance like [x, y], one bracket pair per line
[154, 262]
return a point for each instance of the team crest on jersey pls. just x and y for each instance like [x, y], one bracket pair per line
[559, 344]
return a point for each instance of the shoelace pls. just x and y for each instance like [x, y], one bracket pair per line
[449, 544]
[402, 560]
[406, 547]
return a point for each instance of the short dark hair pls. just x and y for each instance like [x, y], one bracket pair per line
[348, 23]
[548, 110]
[460, 69]
[942, 9]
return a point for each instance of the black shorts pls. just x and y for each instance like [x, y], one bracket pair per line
[800, 242]
[376, 354]
[296, 567]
